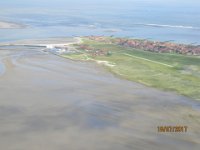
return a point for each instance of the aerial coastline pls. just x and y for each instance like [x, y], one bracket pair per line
[172, 64]
[99, 75]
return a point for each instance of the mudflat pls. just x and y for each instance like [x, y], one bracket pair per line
[49, 102]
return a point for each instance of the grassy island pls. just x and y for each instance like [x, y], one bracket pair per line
[168, 71]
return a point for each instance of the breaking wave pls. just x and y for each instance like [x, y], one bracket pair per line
[168, 26]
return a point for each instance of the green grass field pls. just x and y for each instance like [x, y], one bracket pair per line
[166, 71]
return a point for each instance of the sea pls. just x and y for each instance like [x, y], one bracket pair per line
[163, 20]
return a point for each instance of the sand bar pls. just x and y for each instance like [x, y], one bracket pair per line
[10, 25]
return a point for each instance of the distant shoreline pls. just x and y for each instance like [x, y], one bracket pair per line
[10, 25]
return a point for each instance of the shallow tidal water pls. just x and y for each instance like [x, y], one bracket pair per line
[48, 102]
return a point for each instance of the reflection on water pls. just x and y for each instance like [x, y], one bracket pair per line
[47, 102]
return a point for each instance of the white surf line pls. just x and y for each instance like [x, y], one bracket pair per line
[148, 60]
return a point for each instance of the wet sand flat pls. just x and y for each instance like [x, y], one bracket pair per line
[51, 103]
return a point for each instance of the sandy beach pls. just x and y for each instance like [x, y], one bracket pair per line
[48, 102]
[10, 25]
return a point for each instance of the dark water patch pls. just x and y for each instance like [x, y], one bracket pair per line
[8, 111]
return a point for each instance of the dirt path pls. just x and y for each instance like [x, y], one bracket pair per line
[148, 60]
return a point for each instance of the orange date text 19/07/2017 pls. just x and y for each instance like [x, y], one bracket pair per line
[178, 129]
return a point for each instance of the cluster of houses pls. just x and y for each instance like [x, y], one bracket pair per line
[159, 47]
[92, 51]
